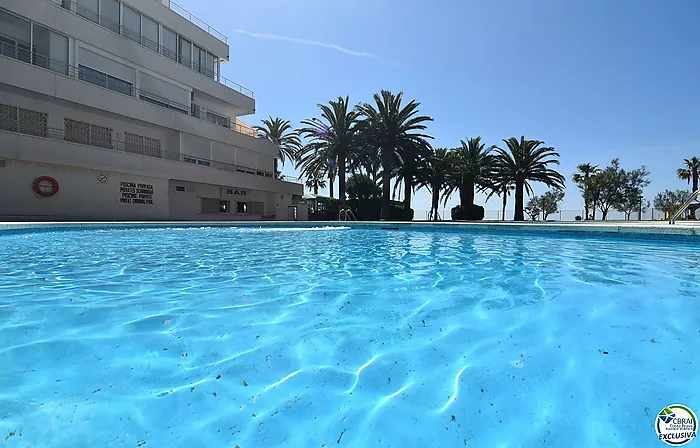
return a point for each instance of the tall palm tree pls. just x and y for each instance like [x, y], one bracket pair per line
[690, 172]
[280, 133]
[473, 168]
[315, 183]
[525, 161]
[583, 180]
[332, 138]
[433, 173]
[395, 129]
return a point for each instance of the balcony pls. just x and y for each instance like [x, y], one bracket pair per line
[21, 121]
[193, 19]
[213, 73]
[87, 75]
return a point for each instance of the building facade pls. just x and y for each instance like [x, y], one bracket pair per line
[117, 110]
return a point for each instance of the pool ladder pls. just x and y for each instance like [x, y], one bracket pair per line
[345, 214]
[684, 207]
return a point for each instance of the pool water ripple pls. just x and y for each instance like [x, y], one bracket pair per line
[223, 337]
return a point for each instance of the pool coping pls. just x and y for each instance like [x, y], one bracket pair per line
[661, 230]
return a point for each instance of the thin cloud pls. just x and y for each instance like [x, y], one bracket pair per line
[315, 43]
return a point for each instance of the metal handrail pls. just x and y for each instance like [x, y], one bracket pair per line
[28, 127]
[684, 207]
[117, 86]
[88, 14]
[182, 12]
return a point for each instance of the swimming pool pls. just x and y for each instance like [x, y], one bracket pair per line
[339, 337]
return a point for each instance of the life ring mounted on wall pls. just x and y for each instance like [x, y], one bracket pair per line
[45, 186]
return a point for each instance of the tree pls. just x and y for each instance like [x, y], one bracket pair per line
[583, 179]
[393, 128]
[331, 140]
[280, 133]
[361, 186]
[473, 167]
[534, 208]
[315, 183]
[690, 172]
[550, 202]
[433, 173]
[633, 192]
[525, 161]
[669, 201]
[616, 188]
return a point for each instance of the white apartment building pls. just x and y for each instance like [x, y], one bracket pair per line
[117, 110]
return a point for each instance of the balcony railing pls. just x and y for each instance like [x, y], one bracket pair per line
[119, 86]
[88, 14]
[193, 19]
[36, 129]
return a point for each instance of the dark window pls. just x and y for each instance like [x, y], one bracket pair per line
[98, 78]
[224, 206]
[179, 188]
[241, 207]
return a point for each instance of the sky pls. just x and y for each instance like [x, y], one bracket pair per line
[596, 79]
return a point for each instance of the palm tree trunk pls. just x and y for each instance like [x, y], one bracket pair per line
[316, 189]
[595, 206]
[436, 200]
[695, 188]
[585, 201]
[331, 185]
[519, 200]
[505, 202]
[341, 178]
[386, 187]
[407, 191]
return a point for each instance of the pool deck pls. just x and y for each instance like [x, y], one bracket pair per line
[623, 229]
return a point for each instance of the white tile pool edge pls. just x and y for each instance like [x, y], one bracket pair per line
[650, 229]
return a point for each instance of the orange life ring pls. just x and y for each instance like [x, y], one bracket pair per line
[48, 188]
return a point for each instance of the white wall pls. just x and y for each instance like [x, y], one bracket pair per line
[80, 195]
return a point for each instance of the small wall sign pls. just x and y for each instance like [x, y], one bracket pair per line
[102, 178]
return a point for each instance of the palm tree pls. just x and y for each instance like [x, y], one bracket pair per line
[433, 173]
[331, 140]
[315, 183]
[395, 130]
[583, 179]
[691, 172]
[525, 161]
[501, 187]
[473, 168]
[280, 133]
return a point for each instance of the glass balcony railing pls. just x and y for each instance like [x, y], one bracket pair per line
[193, 19]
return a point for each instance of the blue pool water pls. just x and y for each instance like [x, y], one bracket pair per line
[250, 337]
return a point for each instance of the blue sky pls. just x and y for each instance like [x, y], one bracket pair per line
[596, 79]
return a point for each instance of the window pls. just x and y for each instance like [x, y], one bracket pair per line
[138, 144]
[132, 24]
[150, 99]
[87, 134]
[109, 14]
[15, 37]
[218, 119]
[241, 207]
[88, 9]
[150, 33]
[169, 44]
[185, 54]
[210, 66]
[224, 206]
[98, 78]
[50, 50]
[179, 188]
[15, 119]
